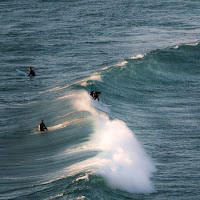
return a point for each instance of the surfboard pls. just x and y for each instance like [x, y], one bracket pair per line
[100, 106]
[21, 72]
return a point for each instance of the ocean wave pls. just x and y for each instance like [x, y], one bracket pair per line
[122, 162]
[138, 56]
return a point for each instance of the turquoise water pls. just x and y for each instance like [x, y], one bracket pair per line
[141, 141]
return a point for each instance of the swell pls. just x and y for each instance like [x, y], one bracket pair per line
[173, 65]
[122, 159]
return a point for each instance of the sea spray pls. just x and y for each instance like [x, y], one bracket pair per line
[122, 161]
[125, 164]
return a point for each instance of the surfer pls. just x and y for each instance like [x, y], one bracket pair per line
[31, 72]
[42, 126]
[95, 95]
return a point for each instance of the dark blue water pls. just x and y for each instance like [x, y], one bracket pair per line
[141, 141]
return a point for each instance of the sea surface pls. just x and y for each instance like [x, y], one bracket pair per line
[141, 141]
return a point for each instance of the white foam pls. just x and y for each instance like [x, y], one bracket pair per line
[70, 113]
[176, 47]
[94, 77]
[53, 197]
[79, 198]
[192, 44]
[138, 56]
[65, 96]
[83, 177]
[83, 166]
[121, 63]
[105, 68]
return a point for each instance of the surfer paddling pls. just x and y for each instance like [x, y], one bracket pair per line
[31, 72]
[95, 95]
[42, 126]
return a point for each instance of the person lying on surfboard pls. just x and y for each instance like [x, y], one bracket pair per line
[95, 95]
[31, 72]
[42, 126]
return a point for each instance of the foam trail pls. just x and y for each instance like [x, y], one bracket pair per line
[62, 125]
[176, 47]
[138, 56]
[70, 171]
[53, 197]
[122, 162]
[105, 68]
[121, 64]
[70, 113]
[192, 44]
[65, 96]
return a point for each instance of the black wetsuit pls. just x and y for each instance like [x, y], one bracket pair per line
[32, 73]
[43, 127]
[95, 95]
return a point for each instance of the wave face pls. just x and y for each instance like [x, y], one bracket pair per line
[171, 67]
[157, 95]
[141, 140]
[149, 103]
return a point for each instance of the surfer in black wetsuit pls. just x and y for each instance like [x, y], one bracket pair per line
[95, 95]
[31, 72]
[42, 126]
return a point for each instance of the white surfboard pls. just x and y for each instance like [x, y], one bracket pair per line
[100, 106]
[21, 72]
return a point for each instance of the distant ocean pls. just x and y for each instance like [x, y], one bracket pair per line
[141, 141]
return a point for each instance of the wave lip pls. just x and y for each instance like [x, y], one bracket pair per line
[192, 44]
[125, 164]
[83, 82]
[138, 56]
